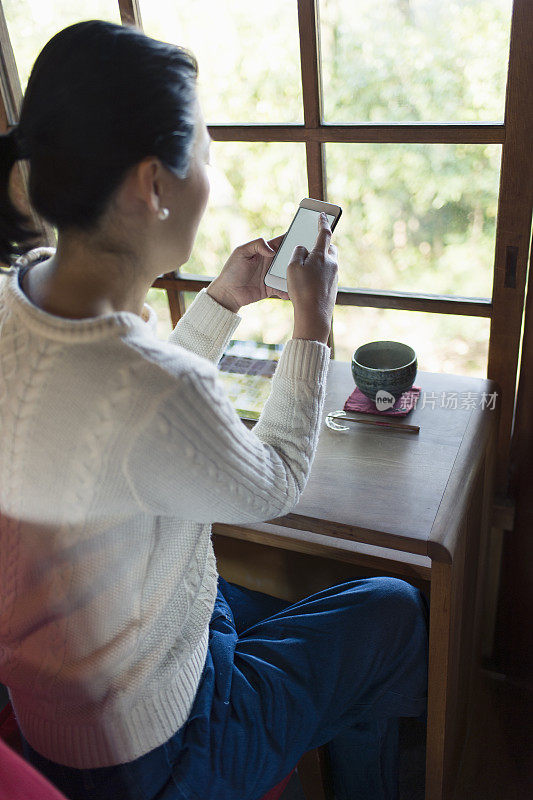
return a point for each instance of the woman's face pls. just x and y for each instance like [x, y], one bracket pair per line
[188, 196]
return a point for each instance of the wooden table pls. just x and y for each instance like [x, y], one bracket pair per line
[417, 506]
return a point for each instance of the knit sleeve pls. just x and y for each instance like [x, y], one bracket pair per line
[196, 460]
[206, 327]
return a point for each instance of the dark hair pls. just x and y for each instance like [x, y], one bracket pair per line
[100, 98]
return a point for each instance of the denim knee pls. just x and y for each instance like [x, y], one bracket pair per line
[403, 637]
[403, 603]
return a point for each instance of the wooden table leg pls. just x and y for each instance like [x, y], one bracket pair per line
[438, 680]
[453, 648]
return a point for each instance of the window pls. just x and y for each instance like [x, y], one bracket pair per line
[408, 113]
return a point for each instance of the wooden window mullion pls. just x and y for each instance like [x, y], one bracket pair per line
[312, 94]
[367, 133]
[309, 36]
[130, 13]
[365, 298]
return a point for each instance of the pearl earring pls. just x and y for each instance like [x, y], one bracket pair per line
[163, 213]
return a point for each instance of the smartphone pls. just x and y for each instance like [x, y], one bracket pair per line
[303, 231]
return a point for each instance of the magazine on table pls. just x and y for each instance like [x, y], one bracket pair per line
[246, 369]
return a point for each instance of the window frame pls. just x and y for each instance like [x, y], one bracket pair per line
[515, 200]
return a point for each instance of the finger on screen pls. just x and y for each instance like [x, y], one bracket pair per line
[324, 234]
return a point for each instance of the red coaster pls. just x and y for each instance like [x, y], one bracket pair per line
[357, 401]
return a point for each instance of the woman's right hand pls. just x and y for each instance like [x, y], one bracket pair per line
[312, 278]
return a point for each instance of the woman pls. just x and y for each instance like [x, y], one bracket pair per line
[134, 670]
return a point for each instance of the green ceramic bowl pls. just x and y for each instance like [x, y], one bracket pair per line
[385, 366]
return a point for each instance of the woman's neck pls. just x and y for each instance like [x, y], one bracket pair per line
[82, 280]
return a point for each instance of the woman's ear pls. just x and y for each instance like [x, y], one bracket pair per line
[147, 183]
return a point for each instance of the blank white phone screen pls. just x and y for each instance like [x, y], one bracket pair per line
[304, 230]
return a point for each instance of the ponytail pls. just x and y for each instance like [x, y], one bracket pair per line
[15, 227]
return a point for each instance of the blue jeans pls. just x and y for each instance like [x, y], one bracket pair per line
[340, 666]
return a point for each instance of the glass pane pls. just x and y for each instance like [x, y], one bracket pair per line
[255, 191]
[248, 55]
[414, 60]
[417, 218]
[31, 23]
[442, 342]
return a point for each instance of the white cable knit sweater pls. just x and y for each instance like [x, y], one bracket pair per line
[117, 452]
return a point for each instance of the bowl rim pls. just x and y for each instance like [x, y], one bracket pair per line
[384, 369]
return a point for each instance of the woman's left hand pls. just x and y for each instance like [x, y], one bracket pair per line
[241, 280]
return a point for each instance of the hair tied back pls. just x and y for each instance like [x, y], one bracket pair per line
[16, 229]
[11, 150]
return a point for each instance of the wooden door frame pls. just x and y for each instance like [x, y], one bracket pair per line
[513, 229]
